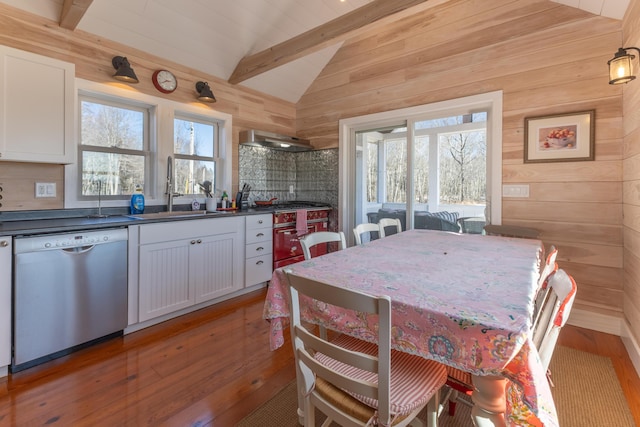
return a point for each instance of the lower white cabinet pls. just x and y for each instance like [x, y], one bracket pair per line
[5, 301]
[259, 249]
[184, 263]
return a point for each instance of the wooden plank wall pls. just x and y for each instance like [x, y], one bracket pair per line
[631, 181]
[547, 58]
[92, 57]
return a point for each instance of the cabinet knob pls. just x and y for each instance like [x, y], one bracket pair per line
[259, 262]
[4, 244]
[199, 241]
[193, 242]
[260, 221]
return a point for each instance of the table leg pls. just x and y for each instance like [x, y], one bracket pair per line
[489, 401]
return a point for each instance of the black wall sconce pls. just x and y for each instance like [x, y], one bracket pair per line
[204, 92]
[124, 72]
[621, 67]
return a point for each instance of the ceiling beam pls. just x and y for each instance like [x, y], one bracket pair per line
[72, 13]
[317, 38]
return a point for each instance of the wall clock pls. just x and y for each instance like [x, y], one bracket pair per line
[164, 81]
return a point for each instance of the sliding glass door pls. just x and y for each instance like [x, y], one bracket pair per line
[432, 164]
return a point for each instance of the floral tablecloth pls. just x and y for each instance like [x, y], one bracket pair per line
[463, 300]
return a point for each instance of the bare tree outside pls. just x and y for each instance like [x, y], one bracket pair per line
[463, 167]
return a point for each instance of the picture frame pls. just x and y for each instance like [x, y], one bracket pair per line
[566, 137]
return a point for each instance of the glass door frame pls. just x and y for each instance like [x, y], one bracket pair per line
[490, 102]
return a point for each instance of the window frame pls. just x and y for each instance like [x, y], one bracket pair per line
[146, 151]
[160, 144]
[216, 124]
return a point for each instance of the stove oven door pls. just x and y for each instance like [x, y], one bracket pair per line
[286, 245]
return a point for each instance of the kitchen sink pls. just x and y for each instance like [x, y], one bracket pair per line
[173, 214]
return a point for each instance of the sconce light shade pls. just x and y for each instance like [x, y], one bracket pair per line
[621, 66]
[124, 72]
[204, 92]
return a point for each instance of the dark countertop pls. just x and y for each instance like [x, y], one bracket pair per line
[63, 221]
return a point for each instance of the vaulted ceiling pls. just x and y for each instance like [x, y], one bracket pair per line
[275, 46]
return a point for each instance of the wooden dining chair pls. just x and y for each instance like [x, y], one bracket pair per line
[556, 307]
[550, 266]
[383, 223]
[373, 231]
[321, 237]
[354, 382]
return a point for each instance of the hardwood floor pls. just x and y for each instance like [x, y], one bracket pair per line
[208, 368]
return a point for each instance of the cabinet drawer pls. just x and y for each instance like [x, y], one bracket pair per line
[258, 269]
[259, 249]
[261, 235]
[255, 222]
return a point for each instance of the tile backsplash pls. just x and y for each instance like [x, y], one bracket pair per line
[313, 174]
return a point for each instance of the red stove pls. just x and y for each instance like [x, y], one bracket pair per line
[286, 243]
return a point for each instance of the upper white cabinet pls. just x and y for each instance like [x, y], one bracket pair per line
[37, 99]
[5, 303]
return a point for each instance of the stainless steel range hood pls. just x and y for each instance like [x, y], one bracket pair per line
[275, 141]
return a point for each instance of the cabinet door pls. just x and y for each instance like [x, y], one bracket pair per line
[212, 260]
[5, 301]
[164, 278]
[37, 100]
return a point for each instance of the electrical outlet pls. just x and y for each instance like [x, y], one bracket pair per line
[45, 189]
[515, 190]
[291, 189]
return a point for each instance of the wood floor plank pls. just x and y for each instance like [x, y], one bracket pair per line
[208, 368]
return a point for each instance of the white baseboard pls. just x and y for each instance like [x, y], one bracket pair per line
[633, 348]
[611, 325]
[596, 321]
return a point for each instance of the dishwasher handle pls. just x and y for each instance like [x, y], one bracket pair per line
[78, 249]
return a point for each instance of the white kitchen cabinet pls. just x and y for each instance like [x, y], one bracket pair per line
[5, 303]
[37, 99]
[259, 249]
[184, 263]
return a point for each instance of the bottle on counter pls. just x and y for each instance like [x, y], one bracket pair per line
[225, 200]
[137, 200]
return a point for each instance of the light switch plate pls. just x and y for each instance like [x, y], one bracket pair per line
[515, 190]
[45, 189]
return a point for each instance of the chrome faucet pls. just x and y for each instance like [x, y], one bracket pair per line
[170, 184]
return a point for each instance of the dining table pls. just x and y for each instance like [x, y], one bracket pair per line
[464, 300]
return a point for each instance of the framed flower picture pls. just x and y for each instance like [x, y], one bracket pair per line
[560, 138]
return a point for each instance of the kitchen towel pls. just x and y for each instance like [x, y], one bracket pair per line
[301, 221]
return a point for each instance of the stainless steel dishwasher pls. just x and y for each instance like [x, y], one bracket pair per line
[70, 290]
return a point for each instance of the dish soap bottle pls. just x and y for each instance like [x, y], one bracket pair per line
[137, 200]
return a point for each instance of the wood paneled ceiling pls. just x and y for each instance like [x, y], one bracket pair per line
[275, 46]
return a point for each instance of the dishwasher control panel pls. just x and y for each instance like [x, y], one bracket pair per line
[68, 240]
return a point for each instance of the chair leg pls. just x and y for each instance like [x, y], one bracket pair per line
[453, 399]
[432, 410]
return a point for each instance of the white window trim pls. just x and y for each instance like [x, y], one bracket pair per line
[161, 145]
[490, 102]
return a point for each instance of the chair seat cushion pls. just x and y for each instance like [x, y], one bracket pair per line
[414, 380]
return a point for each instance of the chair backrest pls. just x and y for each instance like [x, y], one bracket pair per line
[383, 223]
[555, 313]
[306, 344]
[367, 227]
[312, 239]
[549, 267]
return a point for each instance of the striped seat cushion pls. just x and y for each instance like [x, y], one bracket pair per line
[414, 380]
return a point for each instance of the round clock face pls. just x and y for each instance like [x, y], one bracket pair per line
[164, 81]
